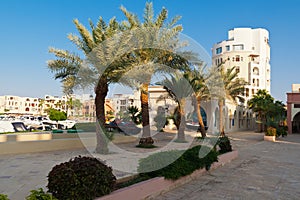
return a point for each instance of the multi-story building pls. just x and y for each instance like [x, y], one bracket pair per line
[10, 104]
[19, 105]
[120, 102]
[247, 50]
[89, 109]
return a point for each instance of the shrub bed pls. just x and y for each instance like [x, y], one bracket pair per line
[182, 163]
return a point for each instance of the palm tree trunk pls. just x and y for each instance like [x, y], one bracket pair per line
[200, 119]
[221, 126]
[145, 110]
[101, 92]
[181, 134]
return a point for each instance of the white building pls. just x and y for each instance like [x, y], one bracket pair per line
[248, 50]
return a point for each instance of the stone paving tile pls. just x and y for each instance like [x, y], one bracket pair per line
[263, 170]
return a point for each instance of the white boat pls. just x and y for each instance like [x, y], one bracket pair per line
[12, 126]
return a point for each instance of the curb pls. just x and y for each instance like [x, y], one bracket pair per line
[154, 187]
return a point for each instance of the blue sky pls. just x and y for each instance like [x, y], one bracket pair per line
[29, 28]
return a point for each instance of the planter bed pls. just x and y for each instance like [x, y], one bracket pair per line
[153, 187]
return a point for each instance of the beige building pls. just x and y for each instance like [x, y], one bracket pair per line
[10, 104]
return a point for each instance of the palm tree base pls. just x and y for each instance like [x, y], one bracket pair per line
[146, 141]
[180, 141]
[102, 150]
[222, 134]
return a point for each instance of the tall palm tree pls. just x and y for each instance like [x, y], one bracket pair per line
[179, 89]
[67, 66]
[233, 88]
[197, 79]
[158, 43]
[261, 103]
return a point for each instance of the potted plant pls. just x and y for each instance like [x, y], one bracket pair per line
[270, 134]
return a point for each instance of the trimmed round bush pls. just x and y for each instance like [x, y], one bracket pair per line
[82, 178]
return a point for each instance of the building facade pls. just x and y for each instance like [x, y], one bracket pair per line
[293, 109]
[16, 105]
[247, 50]
[10, 104]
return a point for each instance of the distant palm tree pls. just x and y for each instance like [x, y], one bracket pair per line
[233, 87]
[41, 105]
[179, 89]
[197, 79]
[261, 103]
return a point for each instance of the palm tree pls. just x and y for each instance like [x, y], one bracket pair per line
[261, 103]
[197, 79]
[156, 50]
[67, 66]
[179, 89]
[41, 105]
[233, 89]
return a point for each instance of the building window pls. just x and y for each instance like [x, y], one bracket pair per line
[255, 71]
[296, 105]
[237, 58]
[221, 60]
[247, 92]
[257, 82]
[219, 50]
[253, 92]
[233, 59]
[238, 47]
[227, 48]
[237, 69]
[123, 102]
[216, 61]
[241, 58]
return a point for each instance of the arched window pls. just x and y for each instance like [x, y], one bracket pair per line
[255, 71]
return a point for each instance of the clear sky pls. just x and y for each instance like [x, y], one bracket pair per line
[30, 27]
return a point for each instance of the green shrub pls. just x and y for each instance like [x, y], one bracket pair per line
[182, 163]
[81, 178]
[281, 131]
[86, 127]
[39, 195]
[271, 131]
[3, 197]
[224, 144]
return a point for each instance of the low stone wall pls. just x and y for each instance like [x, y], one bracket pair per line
[42, 142]
[152, 188]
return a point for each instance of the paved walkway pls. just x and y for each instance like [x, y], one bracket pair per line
[20, 173]
[263, 170]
